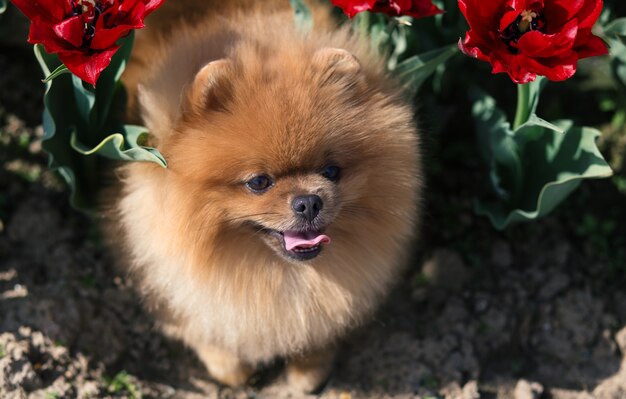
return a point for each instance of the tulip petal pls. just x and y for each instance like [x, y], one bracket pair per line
[514, 66]
[556, 69]
[558, 12]
[481, 20]
[152, 5]
[105, 38]
[508, 18]
[54, 25]
[523, 5]
[593, 47]
[413, 8]
[589, 13]
[53, 10]
[352, 7]
[43, 32]
[88, 67]
[472, 51]
[485, 11]
[537, 44]
[561, 38]
[71, 30]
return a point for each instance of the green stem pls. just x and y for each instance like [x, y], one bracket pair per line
[364, 24]
[523, 111]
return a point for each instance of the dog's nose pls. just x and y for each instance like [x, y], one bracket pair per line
[307, 206]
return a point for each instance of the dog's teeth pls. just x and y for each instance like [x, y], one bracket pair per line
[305, 250]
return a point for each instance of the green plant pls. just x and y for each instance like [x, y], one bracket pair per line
[123, 382]
[536, 164]
[533, 164]
[73, 142]
[52, 395]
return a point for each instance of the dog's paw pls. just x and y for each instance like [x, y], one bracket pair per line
[225, 367]
[309, 381]
[310, 373]
[233, 375]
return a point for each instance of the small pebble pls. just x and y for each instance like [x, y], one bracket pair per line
[528, 390]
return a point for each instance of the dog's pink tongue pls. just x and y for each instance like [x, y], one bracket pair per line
[304, 239]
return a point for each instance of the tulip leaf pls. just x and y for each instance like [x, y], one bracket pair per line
[78, 120]
[528, 100]
[533, 128]
[534, 167]
[3, 6]
[535, 89]
[379, 32]
[376, 27]
[399, 38]
[555, 163]
[302, 15]
[618, 61]
[388, 36]
[616, 27]
[413, 71]
[109, 85]
[123, 146]
[59, 110]
[498, 147]
[61, 69]
[85, 98]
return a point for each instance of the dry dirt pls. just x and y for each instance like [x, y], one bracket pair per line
[530, 317]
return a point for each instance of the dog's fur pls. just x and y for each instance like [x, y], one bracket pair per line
[242, 92]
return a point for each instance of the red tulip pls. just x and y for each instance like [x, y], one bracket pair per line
[526, 38]
[84, 32]
[412, 8]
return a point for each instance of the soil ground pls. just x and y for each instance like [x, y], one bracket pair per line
[538, 311]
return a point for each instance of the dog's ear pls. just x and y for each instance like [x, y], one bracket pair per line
[336, 64]
[211, 88]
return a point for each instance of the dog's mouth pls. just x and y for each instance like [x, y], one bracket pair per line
[300, 244]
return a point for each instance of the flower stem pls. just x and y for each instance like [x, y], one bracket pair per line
[523, 110]
[364, 24]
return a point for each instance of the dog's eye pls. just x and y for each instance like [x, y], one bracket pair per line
[259, 184]
[331, 172]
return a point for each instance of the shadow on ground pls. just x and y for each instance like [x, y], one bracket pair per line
[532, 313]
[521, 319]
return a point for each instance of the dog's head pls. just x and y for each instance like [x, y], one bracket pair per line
[295, 151]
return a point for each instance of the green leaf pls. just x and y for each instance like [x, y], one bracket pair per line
[533, 129]
[109, 85]
[59, 71]
[498, 147]
[78, 120]
[618, 61]
[116, 147]
[388, 36]
[536, 87]
[528, 100]
[414, 71]
[3, 6]
[85, 98]
[555, 162]
[536, 166]
[378, 30]
[616, 27]
[302, 15]
[398, 37]
[58, 122]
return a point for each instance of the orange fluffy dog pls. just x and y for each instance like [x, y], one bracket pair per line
[292, 189]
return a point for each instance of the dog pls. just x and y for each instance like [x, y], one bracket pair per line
[291, 197]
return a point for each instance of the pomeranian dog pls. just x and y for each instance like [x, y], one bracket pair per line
[292, 189]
